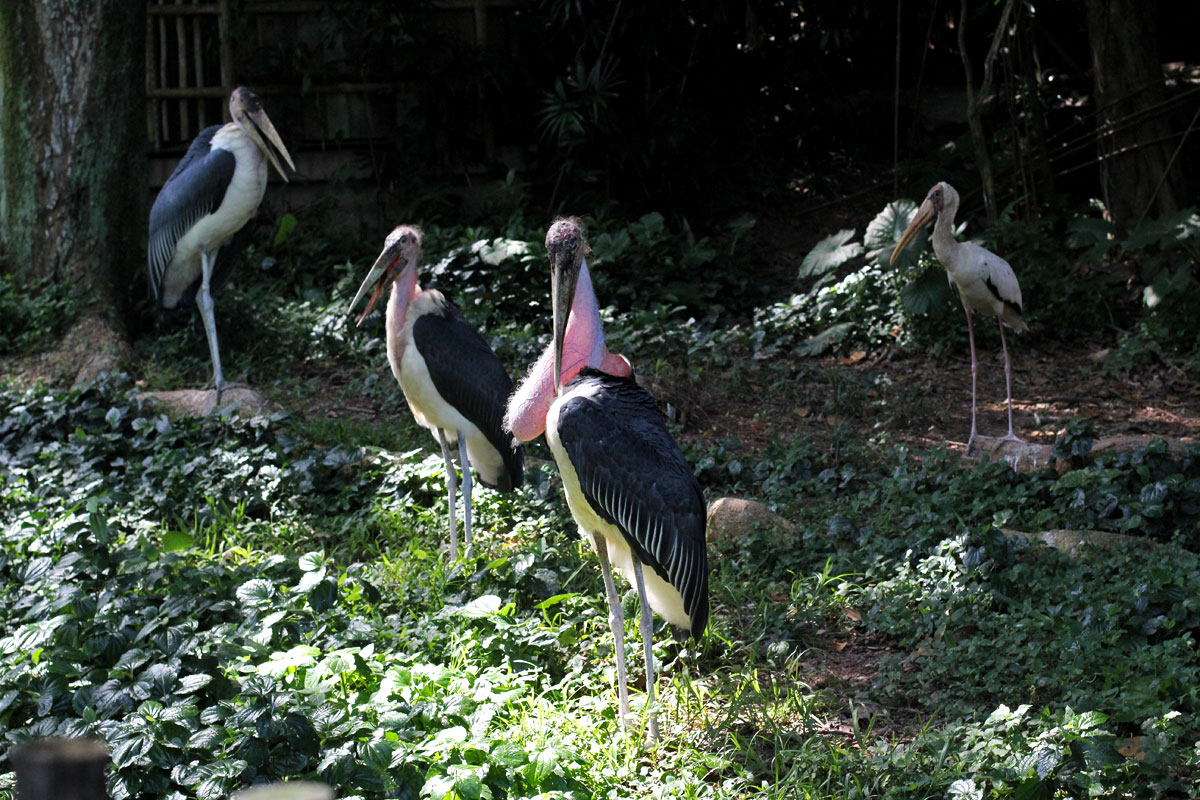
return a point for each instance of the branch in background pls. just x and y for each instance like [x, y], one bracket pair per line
[983, 160]
[986, 87]
[974, 114]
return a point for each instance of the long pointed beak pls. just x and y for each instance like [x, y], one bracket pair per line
[376, 278]
[925, 213]
[261, 127]
[563, 278]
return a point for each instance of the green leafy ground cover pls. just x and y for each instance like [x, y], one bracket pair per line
[231, 601]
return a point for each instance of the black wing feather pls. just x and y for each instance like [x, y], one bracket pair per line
[467, 373]
[996, 293]
[195, 188]
[633, 474]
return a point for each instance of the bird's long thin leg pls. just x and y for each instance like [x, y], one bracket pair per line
[466, 489]
[205, 303]
[616, 621]
[974, 371]
[647, 627]
[451, 489]
[1012, 437]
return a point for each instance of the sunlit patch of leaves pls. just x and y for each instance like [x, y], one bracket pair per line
[228, 601]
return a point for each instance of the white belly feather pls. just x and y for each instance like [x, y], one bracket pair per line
[213, 231]
[428, 407]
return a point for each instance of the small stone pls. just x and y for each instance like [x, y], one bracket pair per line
[730, 519]
[240, 400]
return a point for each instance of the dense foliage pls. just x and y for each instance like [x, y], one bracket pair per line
[228, 601]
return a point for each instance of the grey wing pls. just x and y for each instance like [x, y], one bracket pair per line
[635, 477]
[469, 376]
[195, 189]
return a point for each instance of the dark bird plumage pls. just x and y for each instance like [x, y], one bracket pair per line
[634, 476]
[197, 222]
[466, 372]
[629, 488]
[454, 383]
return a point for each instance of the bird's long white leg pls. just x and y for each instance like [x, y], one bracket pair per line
[616, 621]
[974, 371]
[451, 489]
[205, 303]
[1007, 383]
[466, 489]
[646, 624]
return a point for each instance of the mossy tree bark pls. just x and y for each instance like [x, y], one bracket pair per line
[72, 148]
[1137, 175]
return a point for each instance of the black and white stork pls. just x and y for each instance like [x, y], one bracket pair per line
[453, 381]
[984, 281]
[628, 486]
[208, 199]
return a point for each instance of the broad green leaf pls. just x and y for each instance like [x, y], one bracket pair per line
[929, 292]
[1089, 719]
[542, 766]
[256, 592]
[280, 663]
[555, 600]
[193, 683]
[323, 596]
[498, 250]
[964, 789]
[309, 580]
[312, 561]
[340, 661]
[484, 606]
[469, 787]
[178, 711]
[818, 344]
[287, 224]
[888, 226]
[829, 254]
[509, 754]
[206, 738]
[452, 735]
[176, 540]
[272, 619]
[437, 787]
[130, 750]
[377, 754]
[132, 659]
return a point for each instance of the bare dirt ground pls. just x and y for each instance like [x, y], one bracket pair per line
[925, 401]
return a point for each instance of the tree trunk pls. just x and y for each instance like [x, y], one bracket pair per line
[1134, 131]
[72, 148]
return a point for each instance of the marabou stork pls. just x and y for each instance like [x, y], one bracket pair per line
[451, 378]
[628, 485]
[983, 281]
[208, 199]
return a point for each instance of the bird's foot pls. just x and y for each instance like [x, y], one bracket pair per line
[973, 442]
[219, 390]
[224, 386]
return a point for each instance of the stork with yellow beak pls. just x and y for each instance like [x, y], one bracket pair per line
[984, 282]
